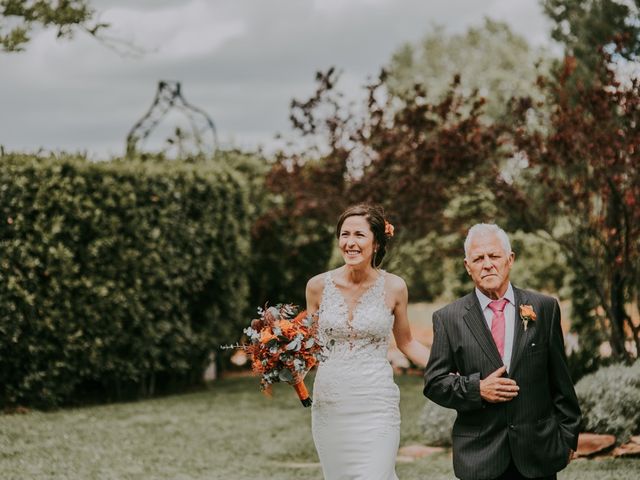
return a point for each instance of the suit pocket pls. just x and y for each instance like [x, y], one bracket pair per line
[534, 349]
[534, 362]
[552, 448]
[549, 420]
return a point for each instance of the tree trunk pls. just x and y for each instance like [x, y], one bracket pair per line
[617, 320]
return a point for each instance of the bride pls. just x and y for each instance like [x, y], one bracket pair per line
[355, 413]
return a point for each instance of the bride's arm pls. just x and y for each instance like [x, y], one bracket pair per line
[410, 347]
[313, 293]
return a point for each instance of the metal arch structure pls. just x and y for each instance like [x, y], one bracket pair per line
[168, 97]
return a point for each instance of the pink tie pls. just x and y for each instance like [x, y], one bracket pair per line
[497, 323]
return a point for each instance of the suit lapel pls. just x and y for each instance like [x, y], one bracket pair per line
[520, 337]
[477, 324]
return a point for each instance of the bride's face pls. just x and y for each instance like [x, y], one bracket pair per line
[356, 241]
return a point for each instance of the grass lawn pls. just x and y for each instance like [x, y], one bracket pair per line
[228, 432]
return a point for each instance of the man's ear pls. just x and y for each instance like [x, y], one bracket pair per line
[466, 267]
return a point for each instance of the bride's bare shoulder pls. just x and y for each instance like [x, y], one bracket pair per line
[395, 283]
[315, 285]
[315, 290]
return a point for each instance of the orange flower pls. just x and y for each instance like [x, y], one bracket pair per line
[388, 229]
[527, 311]
[300, 317]
[288, 328]
[527, 314]
[256, 366]
[266, 335]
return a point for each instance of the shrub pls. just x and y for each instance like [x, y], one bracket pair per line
[419, 263]
[289, 245]
[116, 278]
[540, 264]
[437, 423]
[610, 400]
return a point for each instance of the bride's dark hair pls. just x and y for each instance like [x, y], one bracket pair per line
[374, 215]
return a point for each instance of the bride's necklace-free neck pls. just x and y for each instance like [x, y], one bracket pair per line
[355, 284]
[360, 276]
[357, 280]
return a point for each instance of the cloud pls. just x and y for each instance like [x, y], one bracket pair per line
[334, 7]
[190, 30]
[240, 61]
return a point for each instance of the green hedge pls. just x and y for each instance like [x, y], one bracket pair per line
[610, 401]
[116, 278]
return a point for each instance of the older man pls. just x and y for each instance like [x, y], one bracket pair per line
[498, 359]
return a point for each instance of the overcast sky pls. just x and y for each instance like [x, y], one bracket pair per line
[239, 60]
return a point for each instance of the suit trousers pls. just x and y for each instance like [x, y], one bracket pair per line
[512, 473]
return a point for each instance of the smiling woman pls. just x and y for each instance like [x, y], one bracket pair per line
[362, 234]
[355, 415]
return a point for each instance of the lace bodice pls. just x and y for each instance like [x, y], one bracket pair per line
[366, 333]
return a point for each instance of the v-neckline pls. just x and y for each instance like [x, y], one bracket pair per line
[351, 312]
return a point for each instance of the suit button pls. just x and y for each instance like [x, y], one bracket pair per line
[512, 426]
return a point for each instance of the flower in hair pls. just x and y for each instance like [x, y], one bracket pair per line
[388, 229]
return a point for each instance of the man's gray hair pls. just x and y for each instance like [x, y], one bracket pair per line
[485, 229]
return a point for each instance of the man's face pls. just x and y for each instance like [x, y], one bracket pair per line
[488, 264]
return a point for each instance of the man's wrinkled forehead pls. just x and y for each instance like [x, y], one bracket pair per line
[485, 244]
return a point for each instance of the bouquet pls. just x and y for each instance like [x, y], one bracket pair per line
[284, 347]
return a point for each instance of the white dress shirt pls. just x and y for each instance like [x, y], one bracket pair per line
[509, 320]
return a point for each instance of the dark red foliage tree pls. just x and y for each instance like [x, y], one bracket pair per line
[422, 155]
[412, 156]
[293, 235]
[579, 185]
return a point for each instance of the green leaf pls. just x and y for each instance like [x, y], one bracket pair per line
[285, 375]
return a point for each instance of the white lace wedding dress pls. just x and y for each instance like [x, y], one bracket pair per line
[355, 412]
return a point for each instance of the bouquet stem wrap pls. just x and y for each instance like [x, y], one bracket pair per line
[303, 393]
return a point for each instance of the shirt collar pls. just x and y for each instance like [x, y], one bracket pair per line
[484, 300]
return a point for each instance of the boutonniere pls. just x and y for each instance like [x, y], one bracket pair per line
[527, 315]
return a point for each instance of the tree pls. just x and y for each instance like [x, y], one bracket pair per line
[292, 238]
[18, 18]
[586, 26]
[491, 59]
[499, 64]
[422, 155]
[579, 186]
[412, 155]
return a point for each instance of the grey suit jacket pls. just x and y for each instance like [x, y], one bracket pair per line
[538, 427]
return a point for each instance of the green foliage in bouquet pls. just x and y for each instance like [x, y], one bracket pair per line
[436, 423]
[610, 401]
[116, 278]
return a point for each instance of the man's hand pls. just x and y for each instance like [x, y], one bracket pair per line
[495, 389]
